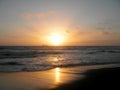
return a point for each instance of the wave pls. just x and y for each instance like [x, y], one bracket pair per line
[19, 67]
[32, 54]
[25, 54]
[36, 59]
[103, 51]
[11, 63]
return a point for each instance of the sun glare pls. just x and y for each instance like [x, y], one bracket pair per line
[57, 74]
[56, 39]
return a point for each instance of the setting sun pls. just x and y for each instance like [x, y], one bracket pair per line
[56, 39]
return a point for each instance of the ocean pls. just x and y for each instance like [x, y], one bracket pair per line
[39, 58]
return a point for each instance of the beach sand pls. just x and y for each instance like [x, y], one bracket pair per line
[68, 78]
[97, 79]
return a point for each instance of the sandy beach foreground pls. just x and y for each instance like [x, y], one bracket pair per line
[99, 79]
[69, 78]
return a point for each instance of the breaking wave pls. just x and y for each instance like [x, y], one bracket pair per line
[14, 59]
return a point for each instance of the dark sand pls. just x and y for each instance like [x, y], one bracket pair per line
[97, 79]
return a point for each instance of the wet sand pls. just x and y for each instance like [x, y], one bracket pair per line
[99, 79]
[69, 78]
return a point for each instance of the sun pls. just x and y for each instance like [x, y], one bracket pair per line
[56, 39]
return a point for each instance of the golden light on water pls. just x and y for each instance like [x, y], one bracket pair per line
[57, 75]
[56, 59]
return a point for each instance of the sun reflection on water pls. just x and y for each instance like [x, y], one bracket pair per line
[57, 75]
[55, 59]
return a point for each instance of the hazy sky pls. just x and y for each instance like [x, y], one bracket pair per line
[80, 22]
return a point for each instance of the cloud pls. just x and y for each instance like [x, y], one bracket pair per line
[38, 14]
[82, 34]
[108, 24]
[44, 14]
[27, 15]
[105, 32]
[107, 27]
[104, 28]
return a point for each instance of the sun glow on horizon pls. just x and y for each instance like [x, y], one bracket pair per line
[56, 39]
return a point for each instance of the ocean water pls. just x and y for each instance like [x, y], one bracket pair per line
[33, 58]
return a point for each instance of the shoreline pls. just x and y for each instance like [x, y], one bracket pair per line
[104, 78]
[55, 79]
[67, 66]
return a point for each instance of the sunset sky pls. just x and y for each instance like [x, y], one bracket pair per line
[59, 22]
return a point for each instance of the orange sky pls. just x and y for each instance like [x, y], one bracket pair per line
[51, 22]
